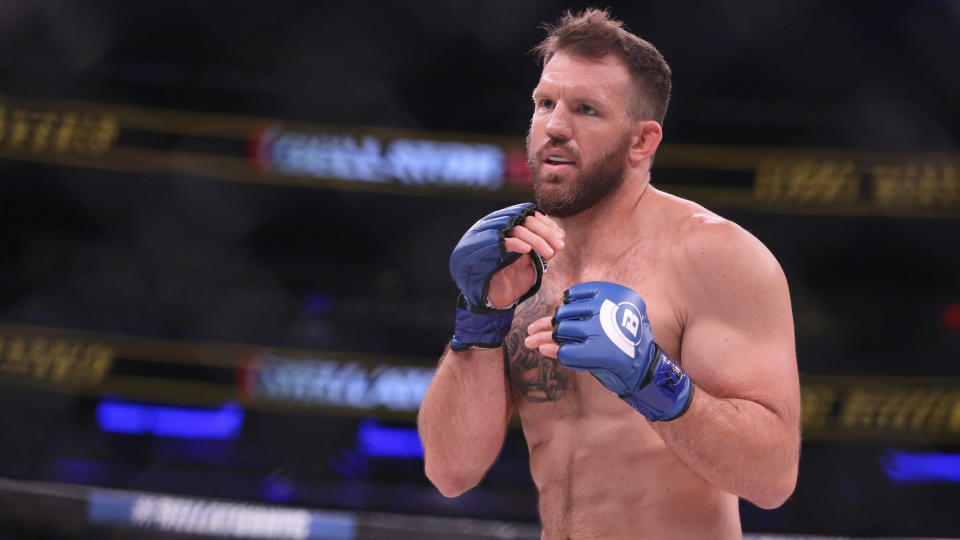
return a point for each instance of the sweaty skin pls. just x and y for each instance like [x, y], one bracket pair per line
[717, 302]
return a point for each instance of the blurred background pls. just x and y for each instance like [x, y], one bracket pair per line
[224, 231]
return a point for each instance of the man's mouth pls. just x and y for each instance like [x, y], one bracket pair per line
[557, 159]
[556, 166]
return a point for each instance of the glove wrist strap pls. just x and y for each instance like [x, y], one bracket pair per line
[477, 327]
[666, 391]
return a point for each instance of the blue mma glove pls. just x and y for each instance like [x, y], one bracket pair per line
[603, 328]
[478, 256]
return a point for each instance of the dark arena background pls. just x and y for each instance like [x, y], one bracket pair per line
[224, 233]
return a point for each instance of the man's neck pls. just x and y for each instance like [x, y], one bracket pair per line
[610, 226]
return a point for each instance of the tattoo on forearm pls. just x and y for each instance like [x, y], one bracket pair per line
[537, 377]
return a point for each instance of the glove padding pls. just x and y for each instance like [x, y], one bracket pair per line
[603, 328]
[479, 255]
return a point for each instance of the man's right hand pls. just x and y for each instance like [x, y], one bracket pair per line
[538, 235]
[493, 276]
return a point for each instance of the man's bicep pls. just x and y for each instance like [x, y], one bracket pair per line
[729, 362]
[739, 338]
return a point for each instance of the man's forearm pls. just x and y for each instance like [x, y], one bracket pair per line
[463, 418]
[737, 445]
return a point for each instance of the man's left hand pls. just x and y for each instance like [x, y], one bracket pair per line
[603, 328]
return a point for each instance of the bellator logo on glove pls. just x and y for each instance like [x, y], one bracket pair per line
[625, 333]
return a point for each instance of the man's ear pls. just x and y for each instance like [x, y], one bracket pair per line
[644, 140]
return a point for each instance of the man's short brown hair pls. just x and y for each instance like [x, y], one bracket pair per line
[595, 34]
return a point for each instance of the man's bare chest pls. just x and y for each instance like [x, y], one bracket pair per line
[538, 378]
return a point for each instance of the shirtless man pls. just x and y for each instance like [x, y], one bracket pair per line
[653, 369]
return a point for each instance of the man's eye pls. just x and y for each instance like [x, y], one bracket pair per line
[546, 103]
[586, 109]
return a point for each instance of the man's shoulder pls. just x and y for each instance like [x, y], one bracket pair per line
[686, 217]
[708, 246]
[693, 227]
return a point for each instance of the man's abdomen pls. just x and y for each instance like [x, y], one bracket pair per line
[612, 477]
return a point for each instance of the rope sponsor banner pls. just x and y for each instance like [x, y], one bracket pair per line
[922, 409]
[167, 516]
[238, 148]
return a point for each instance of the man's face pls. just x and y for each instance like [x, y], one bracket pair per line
[579, 134]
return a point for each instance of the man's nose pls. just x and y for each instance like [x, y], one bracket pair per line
[558, 124]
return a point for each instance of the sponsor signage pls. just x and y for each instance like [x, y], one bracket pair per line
[324, 381]
[365, 158]
[54, 359]
[206, 517]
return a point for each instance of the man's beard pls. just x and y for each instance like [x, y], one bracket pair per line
[584, 190]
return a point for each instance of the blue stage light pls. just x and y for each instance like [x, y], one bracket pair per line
[166, 421]
[374, 440]
[905, 467]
